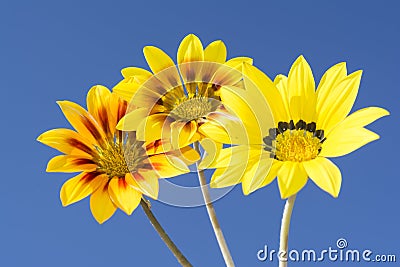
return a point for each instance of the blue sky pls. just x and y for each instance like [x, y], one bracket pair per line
[56, 50]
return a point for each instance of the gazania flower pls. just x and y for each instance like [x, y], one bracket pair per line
[116, 169]
[310, 126]
[182, 101]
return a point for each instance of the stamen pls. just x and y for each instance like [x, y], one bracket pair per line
[294, 142]
[192, 109]
[118, 159]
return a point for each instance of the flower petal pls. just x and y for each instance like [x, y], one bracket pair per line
[154, 127]
[301, 84]
[325, 174]
[101, 204]
[237, 62]
[82, 121]
[228, 157]
[239, 164]
[147, 183]
[132, 120]
[67, 141]
[273, 172]
[291, 178]
[331, 78]
[344, 141]
[339, 103]
[280, 82]
[211, 152]
[216, 132]
[190, 49]
[255, 176]
[123, 195]
[168, 165]
[98, 107]
[215, 52]
[157, 59]
[70, 163]
[349, 134]
[225, 177]
[361, 118]
[252, 110]
[80, 186]
[133, 79]
[183, 133]
[186, 154]
[254, 77]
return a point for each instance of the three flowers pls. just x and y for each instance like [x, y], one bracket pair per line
[259, 129]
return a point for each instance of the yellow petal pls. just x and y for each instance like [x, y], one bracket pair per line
[215, 52]
[361, 118]
[236, 62]
[239, 165]
[123, 195]
[254, 77]
[190, 49]
[232, 175]
[147, 182]
[183, 133]
[133, 79]
[79, 187]
[227, 157]
[82, 121]
[211, 152]
[132, 120]
[217, 133]
[255, 176]
[70, 163]
[101, 204]
[325, 174]
[186, 154]
[97, 103]
[140, 74]
[154, 127]
[253, 112]
[331, 78]
[344, 141]
[280, 82]
[291, 178]
[273, 172]
[157, 59]
[168, 165]
[67, 141]
[229, 73]
[339, 103]
[126, 88]
[301, 84]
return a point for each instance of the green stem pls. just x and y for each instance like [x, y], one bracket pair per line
[164, 236]
[212, 215]
[285, 225]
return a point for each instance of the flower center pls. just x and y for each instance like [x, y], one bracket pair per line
[118, 159]
[192, 109]
[294, 142]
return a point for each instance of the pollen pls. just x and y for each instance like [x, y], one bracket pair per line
[294, 142]
[297, 145]
[118, 159]
[192, 109]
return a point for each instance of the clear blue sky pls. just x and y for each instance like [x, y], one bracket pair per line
[55, 50]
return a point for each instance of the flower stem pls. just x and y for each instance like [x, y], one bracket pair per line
[164, 236]
[285, 225]
[212, 215]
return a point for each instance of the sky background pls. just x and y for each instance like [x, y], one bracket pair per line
[57, 50]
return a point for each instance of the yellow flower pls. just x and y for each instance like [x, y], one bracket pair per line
[116, 169]
[182, 101]
[310, 125]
